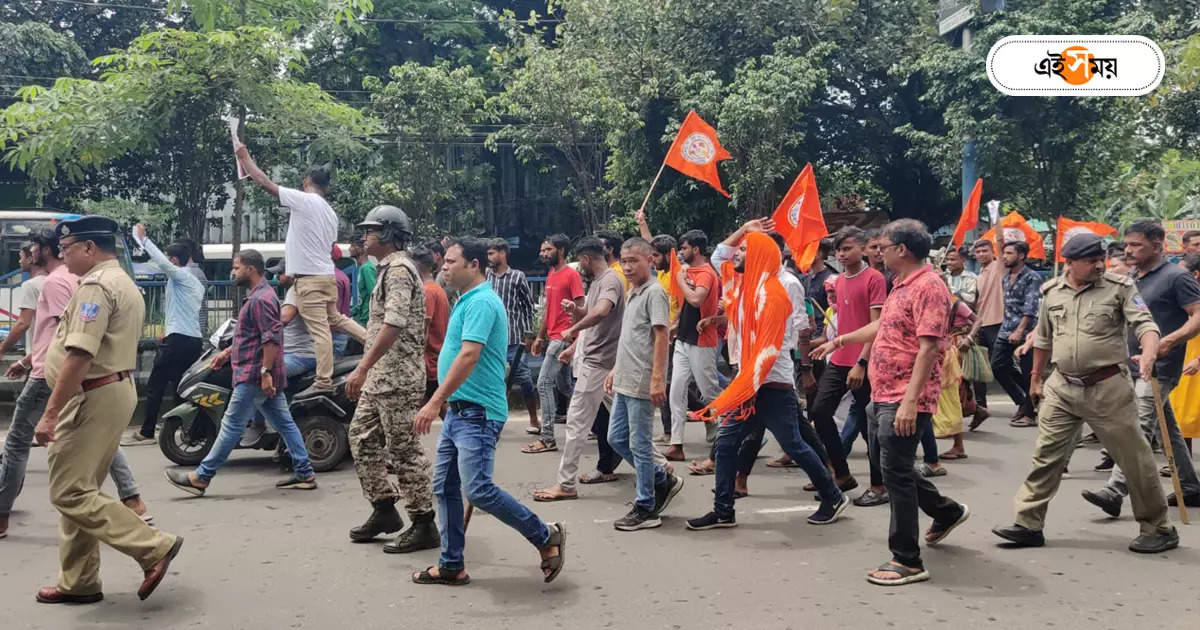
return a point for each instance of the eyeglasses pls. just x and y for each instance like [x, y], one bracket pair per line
[63, 249]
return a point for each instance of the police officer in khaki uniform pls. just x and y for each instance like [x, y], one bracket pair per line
[89, 367]
[391, 379]
[1081, 333]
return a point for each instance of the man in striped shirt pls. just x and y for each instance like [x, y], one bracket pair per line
[513, 288]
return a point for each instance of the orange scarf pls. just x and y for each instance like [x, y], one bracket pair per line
[760, 310]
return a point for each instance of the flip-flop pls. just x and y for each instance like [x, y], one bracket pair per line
[541, 497]
[941, 535]
[425, 577]
[781, 463]
[530, 449]
[930, 471]
[598, 477]
[1022, 422]
[908, 575]
[952, 455]
[699, 471]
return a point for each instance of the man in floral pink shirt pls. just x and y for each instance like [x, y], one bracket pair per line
[905, 376]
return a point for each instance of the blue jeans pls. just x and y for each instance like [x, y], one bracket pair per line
[340, 341]
[520, 371]
[298, 366]
[247, 397]
[631, 435]
[777, 409]
[466, 453]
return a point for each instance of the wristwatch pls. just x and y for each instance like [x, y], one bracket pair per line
[264, 371]
[862, 362]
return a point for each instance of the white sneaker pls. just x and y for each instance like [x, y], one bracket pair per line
[137, 439]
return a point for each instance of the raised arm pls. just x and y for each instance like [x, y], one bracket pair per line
[255, 173]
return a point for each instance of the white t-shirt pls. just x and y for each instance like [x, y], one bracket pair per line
[312, 230]
[783, 371]
[31, 289]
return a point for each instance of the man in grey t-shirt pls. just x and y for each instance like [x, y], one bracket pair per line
[599, 321]
[638, 385]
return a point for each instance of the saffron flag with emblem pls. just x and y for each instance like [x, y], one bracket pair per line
[1016, 228]
[799, 219]
[970, 215]
[1068, 228]
[696, 151]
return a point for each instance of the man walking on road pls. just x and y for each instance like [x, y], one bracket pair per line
[391, 381]
[563, 286]
[312, 230]
[89, 369]
[597, 327]
[29, 291]
[471, 376]
[259, 380]
[1081, 332]
[361, 311]
[1173, 297]
[182, 342]
[1022, 291]
[512, 287]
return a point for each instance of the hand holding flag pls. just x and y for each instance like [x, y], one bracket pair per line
[696, 151]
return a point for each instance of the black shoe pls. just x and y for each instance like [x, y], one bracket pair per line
[1165, 471]
[1106, 464]
[712, 521]
[423, 534]
[871, 498]
[1020, 536]
[298, 483]
[1190, 500]
[664, 493]
[315, 390]
[829, 512]
[180, 479]
[1106, 500]
[637, 519]
[384, 519]
[1155, 543]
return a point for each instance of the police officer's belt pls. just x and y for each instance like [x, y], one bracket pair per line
[94, 383]
[1087, 380]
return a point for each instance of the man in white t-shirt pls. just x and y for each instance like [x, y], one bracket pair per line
[312, 230]
[27, 299]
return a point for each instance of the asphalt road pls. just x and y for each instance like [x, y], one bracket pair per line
[256, 557]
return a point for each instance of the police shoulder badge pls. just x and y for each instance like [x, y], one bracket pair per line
[88, 312]
[1140, 303]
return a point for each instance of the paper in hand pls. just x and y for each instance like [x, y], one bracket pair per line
[241, 172]
[994, 211]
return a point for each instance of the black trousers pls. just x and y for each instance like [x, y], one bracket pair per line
[830, 390]
[1014, 381]
[175, 355]
[609, 460]
[753, 441]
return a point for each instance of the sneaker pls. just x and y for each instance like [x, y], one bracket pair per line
[711, 521]
[252, 434]
[829, 512]
[137, 439]
[296, 483]
[315, 390]
[664, 493]
[1106, 464]
[1165, 471]
[710, 432]
[871, 498]
[637, 519]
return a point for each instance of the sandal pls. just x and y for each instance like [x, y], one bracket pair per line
[934, 535]
[558, 538]
[782, 461]
[907, 575]
[425, 577]
[1023, 421]
[700, 469]
[539, 447]
[544, 495]
[952, 455]
[930, 471]
[597, 477]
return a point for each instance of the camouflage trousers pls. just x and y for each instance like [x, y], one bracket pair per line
[382, 440]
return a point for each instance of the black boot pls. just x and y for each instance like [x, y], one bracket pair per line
[384, 519]
[423, 534]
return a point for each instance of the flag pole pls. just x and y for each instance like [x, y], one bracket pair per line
[653, 184]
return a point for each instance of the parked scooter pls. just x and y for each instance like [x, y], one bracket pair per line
[189, 430]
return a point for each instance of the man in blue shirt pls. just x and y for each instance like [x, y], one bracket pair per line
[182, 340]
[471, 379]
[1022, 295]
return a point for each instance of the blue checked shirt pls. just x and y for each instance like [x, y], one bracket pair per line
[1021, 299]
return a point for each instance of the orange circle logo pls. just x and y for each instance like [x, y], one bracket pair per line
[1076, 65]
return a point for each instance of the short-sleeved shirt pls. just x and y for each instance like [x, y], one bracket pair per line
[398, 301]
[561, 284]
[312, 229]
[990, 303]
[918, 306]
[56, 293]
[104, 319]
[646, 308]
[664, 281]
[437, 311]
[784, 369]
[1166, 290]
[296, 340]
[1084, 328]
[30, 291]
[599, 343]
[1021, 297]
[814, 286]
[258, 324]
[479, 316]
[856, 295]
[700, 276]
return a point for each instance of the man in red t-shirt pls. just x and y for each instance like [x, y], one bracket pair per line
[860, 291]
[695, 351]
[437, 315]
[562, 284]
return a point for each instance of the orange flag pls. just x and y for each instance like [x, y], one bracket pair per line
[799, 219]
[1016, 228]
[696, 151]
[1068, 228]
[675, 292]
[970, 215]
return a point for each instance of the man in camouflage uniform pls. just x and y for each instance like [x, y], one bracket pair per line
[391, 379]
